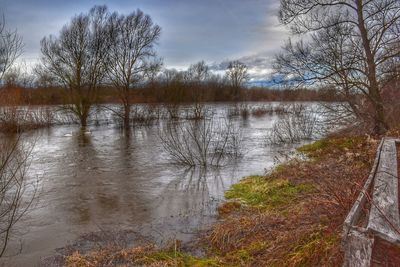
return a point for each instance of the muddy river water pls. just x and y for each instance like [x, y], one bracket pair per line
[106, 180]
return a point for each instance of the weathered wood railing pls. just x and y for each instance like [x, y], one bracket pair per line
[380, 197]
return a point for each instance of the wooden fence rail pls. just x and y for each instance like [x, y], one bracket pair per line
[376, 210]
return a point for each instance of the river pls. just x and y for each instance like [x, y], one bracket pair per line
[104, 180]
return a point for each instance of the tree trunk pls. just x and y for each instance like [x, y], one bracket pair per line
[127, 115]
[83, 119]
[380, 126]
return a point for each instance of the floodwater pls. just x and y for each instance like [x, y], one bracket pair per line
[105, 180]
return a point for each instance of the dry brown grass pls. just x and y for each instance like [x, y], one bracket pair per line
[147, 255]
[108, 257]
[256, 230]
[306, 231]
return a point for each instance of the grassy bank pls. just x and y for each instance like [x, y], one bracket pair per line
[291, 217]
[294, 216]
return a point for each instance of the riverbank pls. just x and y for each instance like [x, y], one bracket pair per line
[292, 217]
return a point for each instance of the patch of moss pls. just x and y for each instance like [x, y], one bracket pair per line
[257, 191]
[313, 147]
[324, 146]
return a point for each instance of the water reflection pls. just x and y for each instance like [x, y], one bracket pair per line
[107, 178]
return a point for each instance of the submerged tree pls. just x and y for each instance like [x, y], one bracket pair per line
[198, 72]
[237, 74]
[174, 91]
[350, 46]
[10, 48]
[197, 76]
[131, 56]
[76, 58]
[16, 195]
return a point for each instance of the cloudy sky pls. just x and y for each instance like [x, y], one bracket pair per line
[212, 30]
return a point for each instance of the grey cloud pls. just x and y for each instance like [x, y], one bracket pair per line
[259, 66]
[210, 30]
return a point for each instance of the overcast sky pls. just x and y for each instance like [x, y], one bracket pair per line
[210, 30]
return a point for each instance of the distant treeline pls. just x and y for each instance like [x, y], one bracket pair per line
[163, 93]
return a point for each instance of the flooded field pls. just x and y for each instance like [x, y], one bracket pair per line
[105, 180]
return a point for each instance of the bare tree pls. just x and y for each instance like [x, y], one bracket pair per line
[349, 46]
[208, 142]
[198, 72]
[14, 201]
[197, 76]
[237, 75]
[174, 91]
[131, 56]
[298, 123]
[76, 59]
[10, 48]
[20, 75]
[43, 79]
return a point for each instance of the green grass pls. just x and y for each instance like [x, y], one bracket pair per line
[257, 191]
[313, 147]
[311, 247]
[324, 146]
[177, 258]
[244, 256]
[279, 168]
